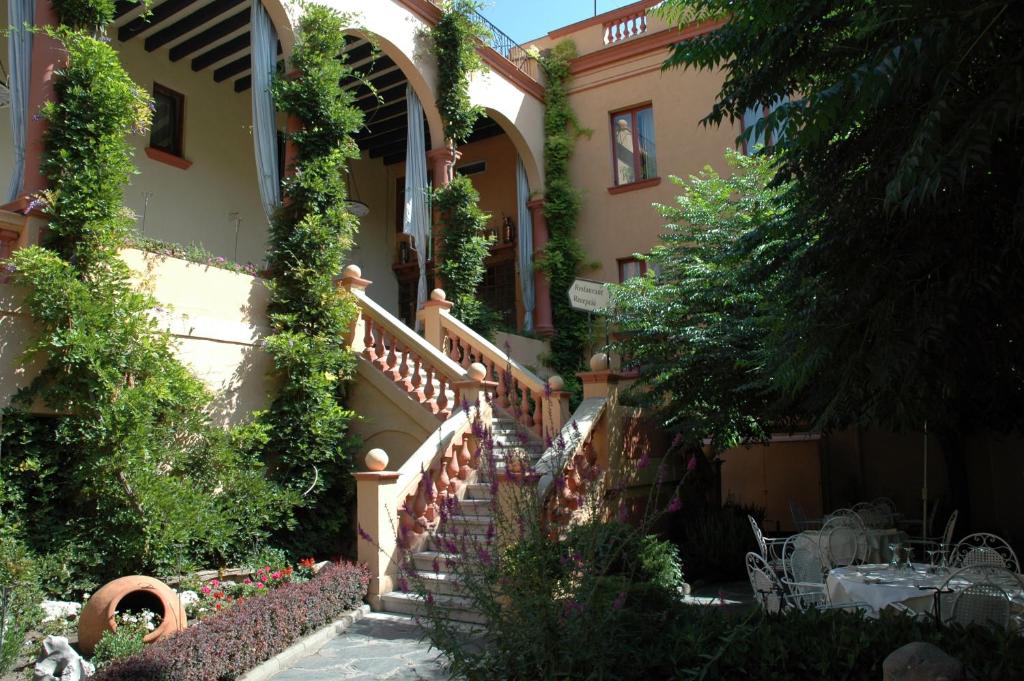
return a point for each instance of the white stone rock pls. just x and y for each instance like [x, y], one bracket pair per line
[59, 610]
[921, 661]
[58, 661]
[187, 598]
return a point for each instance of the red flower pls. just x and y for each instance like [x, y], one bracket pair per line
[307, 563]
[218, 594]
[218, 606]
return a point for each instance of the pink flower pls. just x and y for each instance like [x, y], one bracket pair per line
[691, 465]
[260, 585]
[206, 589]
[675, 504]
[276, 575]
[214, 582]
[643, 462]
[247, 581]
[619, 601]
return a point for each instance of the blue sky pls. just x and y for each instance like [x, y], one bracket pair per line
[527, 19]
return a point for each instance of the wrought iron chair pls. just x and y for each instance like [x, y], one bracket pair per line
[768, 546]
[984, 549]
[985, 600]
[843, 543]
[873, 515]
[768, 589]
[800, 519]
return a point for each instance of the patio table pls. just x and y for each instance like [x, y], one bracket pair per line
[879, 586]
[878, 542]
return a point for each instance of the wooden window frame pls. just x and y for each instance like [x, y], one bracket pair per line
[633, 111]
[179, 132]
[630, 260]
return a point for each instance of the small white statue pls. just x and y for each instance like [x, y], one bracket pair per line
[58, 661]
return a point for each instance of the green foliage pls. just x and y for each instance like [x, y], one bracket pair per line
[86, 15]
[898, 273]
[19, 598]
[622, 551]
[464, 247]
[307, 425]
[124, 641]
[454, 40]
[715, 542]
[144, 480]
[563, 254]
[694, 330]
[193, 252]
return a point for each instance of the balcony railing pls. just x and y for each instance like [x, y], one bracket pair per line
[625, 26]
[504, 45]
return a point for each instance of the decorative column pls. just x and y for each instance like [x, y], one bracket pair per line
[542, 322]
[48, 55]
[442, 164]
[600, 381]
[377, 515]
[556, 411]
[430, 315]
[475, 391]
[353, 282]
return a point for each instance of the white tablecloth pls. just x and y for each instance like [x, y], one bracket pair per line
[878, 586]
[878, 543]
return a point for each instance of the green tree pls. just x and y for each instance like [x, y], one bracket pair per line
[694, 329]
[898, 296]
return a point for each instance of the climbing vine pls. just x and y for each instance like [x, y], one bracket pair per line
[130, 474]
[309, 239]
[563, 254]
[465, 244]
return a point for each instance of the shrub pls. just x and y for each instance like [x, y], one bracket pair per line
[715, 541]
[19, 599]
[227, 646]
[123, 642]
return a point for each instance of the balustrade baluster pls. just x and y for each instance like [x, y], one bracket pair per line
[428, 387]
[392, 359]
[643, 23]
[538, 413]
[417, 380]
[368, 339]
[464, 456]
[442, 395]
[504, 378]
[403, 369]
[453, 472]
[378, 348]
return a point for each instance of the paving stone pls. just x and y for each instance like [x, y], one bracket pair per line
[378, 648]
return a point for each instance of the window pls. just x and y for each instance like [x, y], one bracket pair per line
[751, 117]
[168, 120]
[630, 268]
[633, 145]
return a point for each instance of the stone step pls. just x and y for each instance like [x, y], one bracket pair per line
[474, 507]
[455, 608]
[461, 538]
[424, 561]
[478, 490]
[440, 583]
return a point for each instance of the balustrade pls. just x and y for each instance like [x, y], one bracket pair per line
[625, 26]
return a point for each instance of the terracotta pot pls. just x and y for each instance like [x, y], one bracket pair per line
[133, 593]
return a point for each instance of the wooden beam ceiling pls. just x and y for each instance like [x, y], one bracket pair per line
[157, 16]
[208, 37]
[196, 19]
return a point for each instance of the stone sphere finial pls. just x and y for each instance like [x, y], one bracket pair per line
[477, 371]
[376, 460]
[599, 362]
[439, 295]
[556, 383]
[352, 272]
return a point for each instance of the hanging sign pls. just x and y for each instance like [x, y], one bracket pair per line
[589, 296]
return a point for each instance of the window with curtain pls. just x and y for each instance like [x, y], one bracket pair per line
[751, 117]
[633, 147]
[630, 268]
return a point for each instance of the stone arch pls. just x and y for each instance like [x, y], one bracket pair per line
[283, 21]
[531, 162]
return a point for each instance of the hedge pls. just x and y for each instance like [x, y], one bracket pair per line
[228, 645]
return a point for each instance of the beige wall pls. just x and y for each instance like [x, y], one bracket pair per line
[215, 335]
[195, 205]
[373, 184]
[613, 226]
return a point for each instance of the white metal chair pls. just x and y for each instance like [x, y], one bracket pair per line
[985, 599]
[945, 540]
[844, 516]
[843, 543]
[873, 515]
[984, 549]
[768, 546]
[800, 520]
[768, 589]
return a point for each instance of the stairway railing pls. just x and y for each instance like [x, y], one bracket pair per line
[540, 407]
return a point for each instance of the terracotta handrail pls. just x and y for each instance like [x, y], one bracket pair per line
[625, 26]
[406, 358]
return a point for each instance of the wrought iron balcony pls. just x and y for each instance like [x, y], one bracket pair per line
[503, 44]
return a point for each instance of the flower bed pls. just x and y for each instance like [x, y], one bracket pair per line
[250, 632]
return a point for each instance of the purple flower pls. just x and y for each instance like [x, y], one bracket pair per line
[644, 461]
[622, 515]
[691, 465]
[619, 601]
[35, 204]
[365, 535]
[675, 504]
[38, 117]
[403, 585]
[10, 267]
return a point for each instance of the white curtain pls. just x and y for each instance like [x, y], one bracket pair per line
[525, 244]
[264, 118]
[19, 57]
[416, 219]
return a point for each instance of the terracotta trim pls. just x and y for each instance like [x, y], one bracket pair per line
[427, 11]
[634, 186]
[20, 205]
[602, 19]
[639, 46]
[169, 159]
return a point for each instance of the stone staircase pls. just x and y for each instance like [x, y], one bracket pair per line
[472, 519]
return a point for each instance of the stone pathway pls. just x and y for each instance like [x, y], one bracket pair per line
[378, 646]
